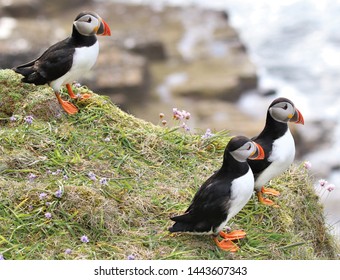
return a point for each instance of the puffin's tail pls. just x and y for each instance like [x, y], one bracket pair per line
[30, 74]
[182, 223]
[181, 227]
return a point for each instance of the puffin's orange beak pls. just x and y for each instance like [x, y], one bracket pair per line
[103, 29]
[297, 118]
[259, 154]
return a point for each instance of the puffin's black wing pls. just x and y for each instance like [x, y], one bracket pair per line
[52, 64]
[208, 208]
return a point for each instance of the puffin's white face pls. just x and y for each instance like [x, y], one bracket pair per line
[282, 111]
[248, 150]
[87, 25]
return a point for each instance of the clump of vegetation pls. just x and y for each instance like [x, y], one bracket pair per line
[102, 184]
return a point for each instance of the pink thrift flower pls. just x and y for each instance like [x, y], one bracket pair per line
[330, 187]
[322, 183]
[307, 165]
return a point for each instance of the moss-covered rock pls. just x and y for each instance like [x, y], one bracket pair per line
[23, 99]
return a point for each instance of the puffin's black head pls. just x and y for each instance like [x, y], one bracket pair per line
[241, 148]
[283, 110]
[90, 23]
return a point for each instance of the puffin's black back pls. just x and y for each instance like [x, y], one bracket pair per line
[56, 61]
[208, 207]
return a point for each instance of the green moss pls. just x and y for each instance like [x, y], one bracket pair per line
[152, 173]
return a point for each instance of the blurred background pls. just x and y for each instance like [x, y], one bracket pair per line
[223, 61]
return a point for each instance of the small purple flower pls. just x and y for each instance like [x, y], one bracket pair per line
[207, 134]
[48, 215]
[2, 258]
[13, 118]
[57, 172]
[58, 193]
[29, 119]
[185, 127]
[68, 251]
[307, 165]
[48, 203]
[330, 187]
[76, 84]
[103, 181]
[31, 177]
[42, 195]
[92, 176]
[131, 257]
[84, 239]
[65, 177]
[30, 208]
[322, 183]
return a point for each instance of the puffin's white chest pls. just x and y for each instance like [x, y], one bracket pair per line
[282, 156]
[83, 60]
[241, 191]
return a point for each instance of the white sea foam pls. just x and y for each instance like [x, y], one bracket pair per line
[7, 24]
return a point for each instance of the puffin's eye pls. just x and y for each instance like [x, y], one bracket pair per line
[249, 147]
[285, 107]
[89, 20]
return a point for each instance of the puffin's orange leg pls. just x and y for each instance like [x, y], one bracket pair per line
[270, 191]
[70, 92]
[73, 96]
[226, 245]
[234, 235]
[67, 106]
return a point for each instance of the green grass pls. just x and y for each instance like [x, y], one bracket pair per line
[153, 173]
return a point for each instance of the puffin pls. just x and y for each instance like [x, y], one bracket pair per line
[278, 144]
[69, 59]
[222, 196]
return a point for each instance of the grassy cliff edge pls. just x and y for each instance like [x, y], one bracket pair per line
[117, 179]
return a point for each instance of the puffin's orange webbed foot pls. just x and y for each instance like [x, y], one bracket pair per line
[226, 245]
[265, 201]
[234, 235]
[67, 106]
[270, 191]
[86, 96]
